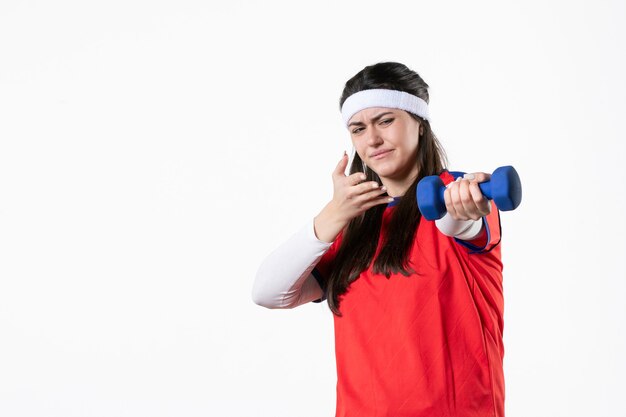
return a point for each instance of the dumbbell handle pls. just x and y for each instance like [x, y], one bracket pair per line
[485, 188]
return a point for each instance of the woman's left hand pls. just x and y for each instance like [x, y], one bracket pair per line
[464, 200]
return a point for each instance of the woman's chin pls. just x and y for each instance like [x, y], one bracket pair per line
[385, 171]
[391, 172]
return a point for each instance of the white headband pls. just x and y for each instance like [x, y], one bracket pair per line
[392, 99]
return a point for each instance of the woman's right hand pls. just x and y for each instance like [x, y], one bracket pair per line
[351, 198]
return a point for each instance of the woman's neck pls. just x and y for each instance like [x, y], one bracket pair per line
[395, 190]
[398, 187]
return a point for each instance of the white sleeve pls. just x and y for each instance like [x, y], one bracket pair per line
[284, 279]
[461, 229]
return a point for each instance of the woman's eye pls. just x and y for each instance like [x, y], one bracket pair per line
[357, 130]
[386, 121]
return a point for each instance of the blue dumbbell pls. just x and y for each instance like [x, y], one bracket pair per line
[504, 188]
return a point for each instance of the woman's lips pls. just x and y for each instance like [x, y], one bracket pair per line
[381, 154]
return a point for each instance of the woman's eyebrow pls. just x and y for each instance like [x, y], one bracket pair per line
[373, 119]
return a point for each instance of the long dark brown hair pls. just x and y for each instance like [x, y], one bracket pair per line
[360, 237]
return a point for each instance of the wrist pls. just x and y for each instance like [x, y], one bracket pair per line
[462, 229]
[328, 223]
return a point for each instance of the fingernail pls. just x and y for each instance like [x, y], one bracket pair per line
[345, 153]
[383, 188]
[468, 176]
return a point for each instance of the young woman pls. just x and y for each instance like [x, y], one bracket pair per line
[418, 304]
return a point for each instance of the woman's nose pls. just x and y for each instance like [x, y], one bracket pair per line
[374, 137]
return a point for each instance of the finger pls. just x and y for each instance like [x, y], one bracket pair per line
[370, 193]
[356, 178]
[355, 191]
[363, 192]
[456, 199]
[376, 201]
[471, 210]
[340, 169]
[478, 177]
[365, 187]
[447, 197]
[481, 202]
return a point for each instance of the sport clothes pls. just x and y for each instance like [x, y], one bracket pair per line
[429, 344]
[284, 279]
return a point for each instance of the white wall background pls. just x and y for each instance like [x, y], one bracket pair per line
[153, 152]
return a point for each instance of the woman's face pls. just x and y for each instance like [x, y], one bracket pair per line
[386, 140]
